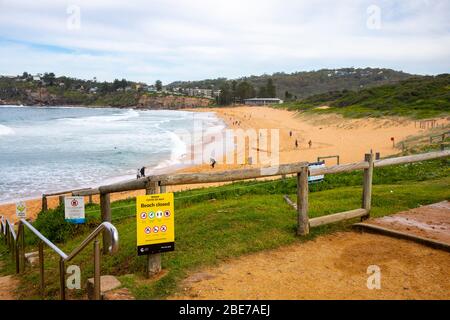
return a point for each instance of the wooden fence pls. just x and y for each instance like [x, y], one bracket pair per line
[157, 184]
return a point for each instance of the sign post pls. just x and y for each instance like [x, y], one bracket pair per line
[155, 223]
[74, 210]
[21, 210]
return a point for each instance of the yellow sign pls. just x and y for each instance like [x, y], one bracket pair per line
[155, 223]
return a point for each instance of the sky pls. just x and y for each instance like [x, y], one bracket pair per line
[193, 40]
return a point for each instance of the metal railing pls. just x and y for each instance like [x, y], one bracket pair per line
[16, 244]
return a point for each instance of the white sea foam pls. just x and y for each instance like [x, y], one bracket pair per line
[80, 147]
[6, 131]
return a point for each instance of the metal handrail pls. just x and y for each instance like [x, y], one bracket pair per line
[17, 247]
[41, 237]
[114, 245]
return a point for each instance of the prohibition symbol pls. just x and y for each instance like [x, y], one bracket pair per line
[74, 203]
[167, 213]
[151, 215]
[148, 230]
[155, 229]
[163, 228]
[143, 215]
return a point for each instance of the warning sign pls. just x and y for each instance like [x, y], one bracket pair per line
[155, 223]
[74, 209]
[21, 210]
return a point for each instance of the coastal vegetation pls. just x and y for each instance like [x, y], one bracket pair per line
[418, 97]
[300, 85]
[223, 222]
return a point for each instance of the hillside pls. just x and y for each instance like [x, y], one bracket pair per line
[55, 91]
[304, 84]
[418, 97]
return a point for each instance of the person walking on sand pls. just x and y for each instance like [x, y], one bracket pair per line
[290, 134]
[296, 143]
[138, 174]
[310, 144]
[213, 163]
[143, 172]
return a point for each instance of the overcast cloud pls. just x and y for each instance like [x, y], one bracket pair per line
[191, 40]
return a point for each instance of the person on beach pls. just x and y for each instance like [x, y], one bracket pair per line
[138, 175]
[143, 172]
[296, 143]
[213, 163]
[310, 144]
[290, 134]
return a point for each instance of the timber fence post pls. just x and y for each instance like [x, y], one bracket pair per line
[153, 260]
[105, 209]
[367, 185]
[302, 202]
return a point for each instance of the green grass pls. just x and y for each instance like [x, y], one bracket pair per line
[216, 224]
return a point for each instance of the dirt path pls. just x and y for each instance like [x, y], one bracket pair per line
[8, 285]
[330, 267]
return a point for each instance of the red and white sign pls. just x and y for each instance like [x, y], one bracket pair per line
[74, 209]
[155, 229]
[163, 229]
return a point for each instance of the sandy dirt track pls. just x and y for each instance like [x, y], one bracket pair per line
[330, 267]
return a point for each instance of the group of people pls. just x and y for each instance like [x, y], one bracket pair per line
[140, 173]
[296, 141]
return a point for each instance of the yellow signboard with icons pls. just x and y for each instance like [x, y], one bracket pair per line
[155, 224]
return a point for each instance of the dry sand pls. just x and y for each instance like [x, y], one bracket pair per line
[330, 135]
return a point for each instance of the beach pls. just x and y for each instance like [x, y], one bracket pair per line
[330, 135]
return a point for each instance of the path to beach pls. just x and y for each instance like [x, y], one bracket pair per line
[330, 135]
[331, 267]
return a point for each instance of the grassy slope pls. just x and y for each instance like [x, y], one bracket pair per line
[417, 97]
[240, 219]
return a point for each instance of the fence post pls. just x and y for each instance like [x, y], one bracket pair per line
[44, 203]
[62, 279]
[97, 278]
[61, 200]
[367, 185]
[105, 210]
[41, 267]
[302, 202]
[153, 260]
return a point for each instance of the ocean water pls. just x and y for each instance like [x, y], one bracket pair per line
[47, 149]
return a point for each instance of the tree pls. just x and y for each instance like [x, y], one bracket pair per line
[49, 78]
[271, 90]
[158, 85]
[287, 96]
[226, 95]
[245, 90]
[262, 92]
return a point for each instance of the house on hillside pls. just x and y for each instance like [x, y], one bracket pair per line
[262, 101]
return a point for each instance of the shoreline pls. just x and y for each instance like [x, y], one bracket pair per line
[330, 134]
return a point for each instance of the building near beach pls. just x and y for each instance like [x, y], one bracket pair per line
[262, 101]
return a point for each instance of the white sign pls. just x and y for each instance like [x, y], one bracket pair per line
[316, 166]
[74, 209]
[21, 210]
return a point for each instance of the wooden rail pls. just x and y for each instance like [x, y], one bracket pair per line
[338, 159]
[158, 183]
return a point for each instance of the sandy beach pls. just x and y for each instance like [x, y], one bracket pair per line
[329, 135]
